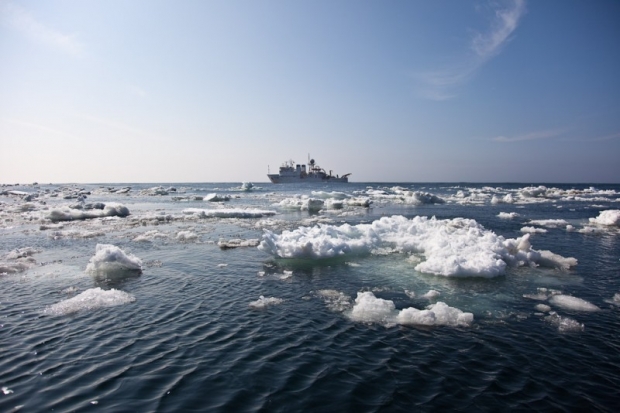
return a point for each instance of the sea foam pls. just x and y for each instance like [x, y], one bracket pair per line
[452, 247]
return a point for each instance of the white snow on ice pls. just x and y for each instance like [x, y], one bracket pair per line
[89, 300]
[370, 309]
[110, 258]
[610, 217]
[452, 247]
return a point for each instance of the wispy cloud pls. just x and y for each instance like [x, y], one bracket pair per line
[440, 84]
[600, 138]
[46, 130]
[21, 20]
[548, 134]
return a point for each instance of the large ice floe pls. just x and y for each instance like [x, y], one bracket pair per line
[69, 214]
[456, 247]
[91, 299]
[111, 259]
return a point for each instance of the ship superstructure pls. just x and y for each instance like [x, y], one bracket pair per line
[291, 172]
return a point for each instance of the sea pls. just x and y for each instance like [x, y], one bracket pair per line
[358, 297]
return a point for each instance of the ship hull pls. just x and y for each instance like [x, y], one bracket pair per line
[278, 179]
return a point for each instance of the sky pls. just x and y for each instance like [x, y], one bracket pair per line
[116, 91]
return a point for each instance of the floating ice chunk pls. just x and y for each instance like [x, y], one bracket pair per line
[68, 214]
[216, 198]
[18, 260]
[228, 213]
[422, 198]
[450, 316]
[507, 199]
[532, 230]
[75, 234]
[568, 302]
[508, 215]
[263, 302]
[361, 202]
[312, 204]
[236, 243]
[550, 223]
[150, 236]
[157, 190]
[416, 317]
[334, 204]
[432, 294]
[611, 217]
[247, 186]
[21, 253]
[6, 390]
[89, 300]
[13, 267]
[370, 309]
[564, 324]
[335, 300]
[452, 247]
[110, 258]
[543, 308]
[186, 236]
[330, 195]
[550, 260]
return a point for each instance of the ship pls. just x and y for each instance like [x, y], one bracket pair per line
[290, 172]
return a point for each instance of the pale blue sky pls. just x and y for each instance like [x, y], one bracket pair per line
[202, 91]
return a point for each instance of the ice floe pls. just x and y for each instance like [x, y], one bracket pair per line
[508, 215]
[264, 302]
[216, 198]
[533, 230]
[564, 324]
[69, 214]
[370, 309]
[149, 236]
[90, 299]
[110, 258]
[237, 243]
[568, 302]
[186, 236]
[610, 217]
[18, 260]
[302, 203]
[228, 213]
[452, 247]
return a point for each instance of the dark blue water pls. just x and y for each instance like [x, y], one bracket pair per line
[191, 342]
